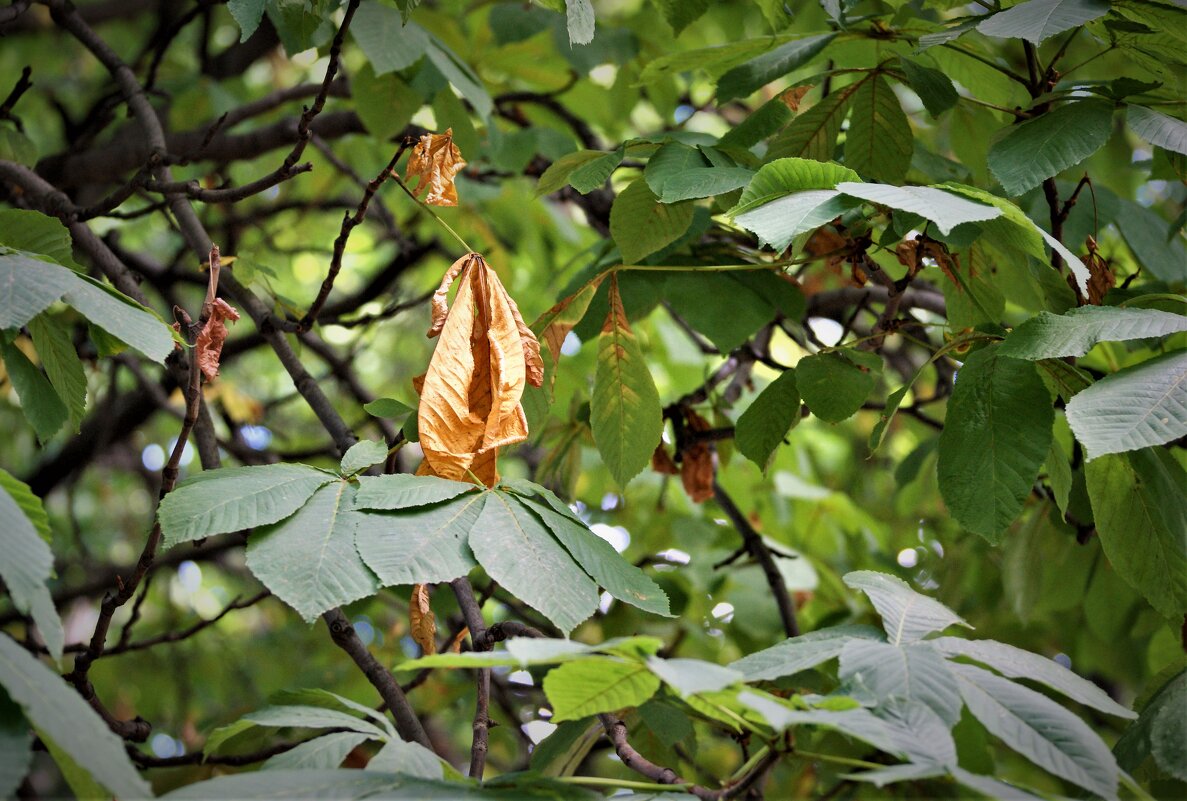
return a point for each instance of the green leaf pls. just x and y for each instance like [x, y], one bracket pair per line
[779, 222]
[997, 432]
[34, 232]
[361, 455]
[403, 490]
[598, 558]
[934, 88]
[682, 13]
[801, 653]
[309, 560]
[1137, 407]
[28, 285]
[579, 19]
[417, 546]
[907, 616]
[247, 14]
[1159, 251]
[879, 143]
[409, 759]
[641, 225]
[517, 551]
[62, 365]
[460, 75]
[26, 561]
[387, 42]
[625, 413]
[1049, 144]
[813, 133]
[747, 78]
[589, 686]
[406, 8]
[236, 498]
[761, 123]
[1140, 507]
[915, 673]
[40, 404]
[385, 103]
[313, 717]
[789, 176]
[55, 708]
[1053, 336]
[694, 297]
[1016, 663]
[557, 174]
[766, 422]
[15, 146]
[562, 752]
[943, 208]
[1158, 128]
[692, 676]
[320, 753]
[704, 182]
[1039, 729]
[78, 779]
[835, 384]
[588, 177]
[672, 159]
[340, 785]
[1038, 20]
[121, 317]
[389, 409]
[527, 651]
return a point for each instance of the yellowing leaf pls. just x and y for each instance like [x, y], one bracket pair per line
[422, 620]
[470, 397]
[434, 162]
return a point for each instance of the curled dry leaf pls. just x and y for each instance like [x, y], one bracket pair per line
[470, 396]
[662, 463]
[434, 162]
[421, 619]
[1100, 276]
[696, 464]
[209, 345]
[792, 97]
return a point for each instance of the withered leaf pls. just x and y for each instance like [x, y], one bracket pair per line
[209, 345]
[470, 397]
[1100, 276]
[696, 464]
[662, 463]
[434, 162]
[421, 619]
[792, 97]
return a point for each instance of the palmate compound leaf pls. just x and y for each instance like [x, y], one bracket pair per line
[517, 551]
[309, 560]
[236, 498]
[625, 413]
[1038, 728]
[597, 684]
[26, 561]
[421, 544]
[803, 652]
[995, 438]
[1137, 407]
[53, 707]
[29, 284]
[1016, 663]
[906, 615]
[1054, 336]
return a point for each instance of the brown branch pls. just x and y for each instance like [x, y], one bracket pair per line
[472, 614]
[762, 554]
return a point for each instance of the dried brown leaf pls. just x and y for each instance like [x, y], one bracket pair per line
[209, 345]
[434, 162]
[455, 645]
[792, 97]
[421, 619]
[696, 463]
[1100, 276]
[662, 463]
[440, 302]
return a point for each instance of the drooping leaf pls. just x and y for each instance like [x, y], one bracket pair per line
[517, 551]
[1053, 336]
[761, 70]
[802, 653]
[309, 560]
[236, 498]
[625, 413]
[598, 558]
[879, 143]
[421, 620]
[641, 224]
[26, 562]
[418, 545]
[943, 208]
[996, 436]
[907, 616]
[1140, 507]
[1137, 407]
[694, 296]
[597, 684]
[1049, 144]
[934, 88]
[835, 384]
[1041, 730]
[40, 404]
[54, 707]
[1038, 20]
[433, 164]
[1158, 128]
[1016, 663]
[766, 422]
